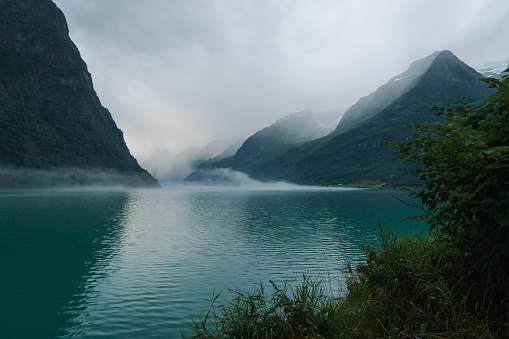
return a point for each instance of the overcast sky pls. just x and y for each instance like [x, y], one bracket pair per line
[181, 73]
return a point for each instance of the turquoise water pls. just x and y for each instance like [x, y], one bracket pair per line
[140, 263]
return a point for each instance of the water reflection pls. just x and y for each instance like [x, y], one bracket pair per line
[274, 235]
[139, 264]
[49, 243]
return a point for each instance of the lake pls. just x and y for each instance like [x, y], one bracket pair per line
[140, 263]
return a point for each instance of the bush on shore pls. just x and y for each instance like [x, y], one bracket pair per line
[408, 287]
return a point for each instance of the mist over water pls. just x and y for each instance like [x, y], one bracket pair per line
[227, 177]
[15, 177]
[171, 168]
[138, 263]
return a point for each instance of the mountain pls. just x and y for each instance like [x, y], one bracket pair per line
[305, 125]
[361, 154]
[171, 169]
[373, 103]
[358, 153]
[291, 130]
[273, 141]
[52, 124]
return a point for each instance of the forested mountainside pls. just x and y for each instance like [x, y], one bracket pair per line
[373, 103]
[270, 142]
[360, 153]
[50, 116]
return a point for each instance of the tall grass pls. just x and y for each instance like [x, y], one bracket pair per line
[297, 310]
[407, 287]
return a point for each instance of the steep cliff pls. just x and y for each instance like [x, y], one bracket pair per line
[50, 116]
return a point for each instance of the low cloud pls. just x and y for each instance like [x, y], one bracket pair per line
[180, 73]
[14, 178]
[230, 178]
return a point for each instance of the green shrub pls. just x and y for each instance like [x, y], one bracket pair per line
[408, 287]
[464, 176]
[420, 286]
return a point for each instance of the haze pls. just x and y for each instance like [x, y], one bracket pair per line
[181, 73]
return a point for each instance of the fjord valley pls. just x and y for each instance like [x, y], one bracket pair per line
[268, 144]
[54, 130]
[266, 235]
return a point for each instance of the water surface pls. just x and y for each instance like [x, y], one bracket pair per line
[140, 263]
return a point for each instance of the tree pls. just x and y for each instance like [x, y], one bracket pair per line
[464, 176]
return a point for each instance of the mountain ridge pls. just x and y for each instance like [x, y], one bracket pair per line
[360, 153]
[374, 102]
[272, 141]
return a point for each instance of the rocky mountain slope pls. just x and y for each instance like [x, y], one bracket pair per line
[373, 103]
[361, 154]
[50, 116]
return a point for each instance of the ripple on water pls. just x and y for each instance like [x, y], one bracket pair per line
[141, 263]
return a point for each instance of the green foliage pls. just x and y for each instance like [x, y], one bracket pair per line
[420, 287]
[464, 177]
[408, 287]
[301, 312]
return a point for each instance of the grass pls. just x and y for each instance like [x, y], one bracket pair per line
[407, 287]
[300, 311]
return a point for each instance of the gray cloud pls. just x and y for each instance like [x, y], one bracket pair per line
[181, 73]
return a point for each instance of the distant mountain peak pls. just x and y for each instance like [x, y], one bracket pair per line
[447, 65]
[361, 153]
[416, 68]
[373, 103]
[446, 54]
[294, 115]
[309, 124]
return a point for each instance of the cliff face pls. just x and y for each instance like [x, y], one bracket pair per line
[50, 115]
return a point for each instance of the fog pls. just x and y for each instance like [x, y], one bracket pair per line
[228, 178]
[179, 73]
[171, 168]
[82, 180]
[20, 178]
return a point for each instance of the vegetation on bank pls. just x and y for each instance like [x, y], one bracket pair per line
[451, 283]
[362, 184]
[409, 287]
